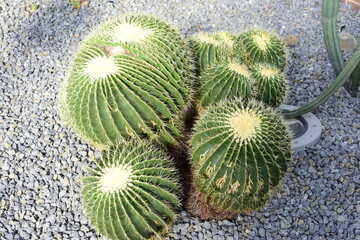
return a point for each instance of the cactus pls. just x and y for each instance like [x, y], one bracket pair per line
[212, 47]
[240, 151]
[132, 193]
[270, 85]
[259, 46]
[131, 77]
[224, 80]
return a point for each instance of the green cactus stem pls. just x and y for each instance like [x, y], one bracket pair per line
[131, 77]
[133, 192]
[352, 64]
[259, 46]
[240, 152]
[270, 85]
[330, 10]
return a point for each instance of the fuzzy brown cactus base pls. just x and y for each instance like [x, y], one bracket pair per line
[197, 204]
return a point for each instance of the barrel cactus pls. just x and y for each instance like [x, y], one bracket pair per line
[228, 79]
[259, 46]
[133, 192]
[270, 85]
[131, 77]
[240, 152]
[212, 47]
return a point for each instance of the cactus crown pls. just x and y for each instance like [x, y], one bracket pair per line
[262, 40]
[127, 32]
[133, 192]
[240, 151]
[240, 69]
[115, 178]
[245, 125]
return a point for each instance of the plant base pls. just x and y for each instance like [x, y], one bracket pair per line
[197, 204]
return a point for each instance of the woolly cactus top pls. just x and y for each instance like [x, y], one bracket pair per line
[245, 124]
[133, 192]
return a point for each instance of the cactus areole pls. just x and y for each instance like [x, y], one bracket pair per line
[240, 152]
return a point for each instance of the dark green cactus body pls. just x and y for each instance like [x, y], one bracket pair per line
[133, 193]
[224, 80]
[240, 151]
[270, 85]
[130, 78]
[258, 46]
[212, 47]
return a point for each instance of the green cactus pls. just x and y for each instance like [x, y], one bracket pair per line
[132, 193]
[270, 85]
[240, 151]
[131, 77]
[228, 79]
[259, 46]
[212, 47]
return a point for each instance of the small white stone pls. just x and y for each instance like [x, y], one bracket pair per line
[341, 219]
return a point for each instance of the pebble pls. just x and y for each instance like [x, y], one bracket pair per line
[347, 42]
[341, 219]
[291, 40]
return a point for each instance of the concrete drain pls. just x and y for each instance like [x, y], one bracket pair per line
[306, 129]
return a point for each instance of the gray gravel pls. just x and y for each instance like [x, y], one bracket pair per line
[41, 160]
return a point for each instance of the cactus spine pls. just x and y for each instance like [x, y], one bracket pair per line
[133, 192]
[240, 151]
[131, 77]
[259, 46]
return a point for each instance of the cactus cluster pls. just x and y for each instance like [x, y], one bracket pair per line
[240, 151]
[130, 77]
[250, 65]
[128, 88]
[132, 193]
[240, 146]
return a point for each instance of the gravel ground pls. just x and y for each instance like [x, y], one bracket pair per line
[41, 160]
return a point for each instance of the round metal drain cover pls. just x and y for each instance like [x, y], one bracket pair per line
[306, 129]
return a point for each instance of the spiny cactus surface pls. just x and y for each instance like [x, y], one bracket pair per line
[240, 151]
[129, 78]
[212, 47]
[224, 80]
[259, 46]
[270, 85]
[133, 192]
